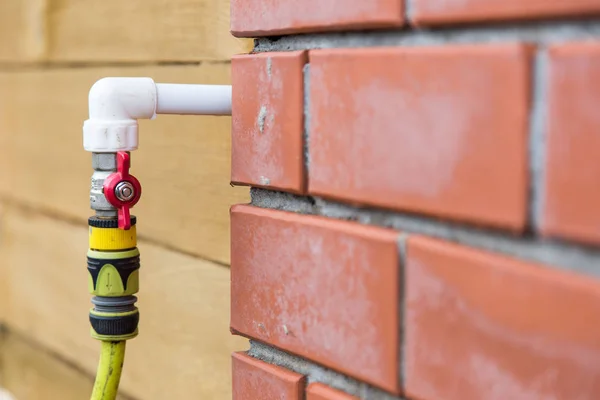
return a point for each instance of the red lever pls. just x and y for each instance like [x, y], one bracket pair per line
[122, 190]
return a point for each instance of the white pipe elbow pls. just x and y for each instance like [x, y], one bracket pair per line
[122, 99]
[115, 105]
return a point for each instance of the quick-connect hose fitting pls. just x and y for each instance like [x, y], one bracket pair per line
[114, 323]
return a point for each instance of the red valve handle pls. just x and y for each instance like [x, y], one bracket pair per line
[110, 185]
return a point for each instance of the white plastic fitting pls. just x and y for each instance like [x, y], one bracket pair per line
[115, 105]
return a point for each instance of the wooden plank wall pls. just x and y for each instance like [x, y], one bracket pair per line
[51, 52]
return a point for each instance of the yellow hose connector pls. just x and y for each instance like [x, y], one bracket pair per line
[110, 239]
[113, 266]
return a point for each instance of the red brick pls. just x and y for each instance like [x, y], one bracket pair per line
[323, 289]
[483, 326]
[572, 173]
[268, 121]
[254, 379]
[318, 391]
[435, 130]
[429, 12]
[276, 17]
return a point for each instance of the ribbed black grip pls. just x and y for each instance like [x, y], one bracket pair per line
[115, 326]
[108, 222]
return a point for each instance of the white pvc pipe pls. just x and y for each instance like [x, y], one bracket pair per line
[193, 99]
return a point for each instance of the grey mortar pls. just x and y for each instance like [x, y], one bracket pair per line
[537, 138]
[317, 373]
[569, 256]
[541, 33]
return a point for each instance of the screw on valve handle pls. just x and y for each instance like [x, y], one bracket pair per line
[122, 190]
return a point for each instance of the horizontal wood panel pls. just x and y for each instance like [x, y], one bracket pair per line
[136, 30]
[117, 31]
[22, 30]
[3, 277]
[186, 181]
[28, 372]
[184, 347]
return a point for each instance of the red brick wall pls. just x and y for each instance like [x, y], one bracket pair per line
[425, 219]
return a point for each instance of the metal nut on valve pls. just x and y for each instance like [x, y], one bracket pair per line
[124, 191]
